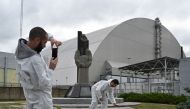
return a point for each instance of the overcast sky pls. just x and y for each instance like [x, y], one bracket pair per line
[63, 18]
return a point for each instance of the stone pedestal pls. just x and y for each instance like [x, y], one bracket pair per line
[80, 90]
[82, 76]
[79, 100]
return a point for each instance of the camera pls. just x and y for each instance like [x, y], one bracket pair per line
[54, 51]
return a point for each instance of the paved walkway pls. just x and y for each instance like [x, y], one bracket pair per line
[99, 108]
[125, 105]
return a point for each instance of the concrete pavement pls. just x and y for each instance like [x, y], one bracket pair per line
[125, 105]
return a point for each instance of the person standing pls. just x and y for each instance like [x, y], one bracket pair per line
[33, 73]
[99, 92]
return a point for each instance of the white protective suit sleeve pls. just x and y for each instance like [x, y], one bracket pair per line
[100, 87]
[43, 73]
[111, 96]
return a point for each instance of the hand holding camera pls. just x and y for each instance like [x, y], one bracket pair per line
[53, 63]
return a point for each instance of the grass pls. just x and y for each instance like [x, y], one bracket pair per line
[12, 105]
[154, 106]
[57, 107]
[15, 105]
[20, 105]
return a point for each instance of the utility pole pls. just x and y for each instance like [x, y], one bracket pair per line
[21, 17]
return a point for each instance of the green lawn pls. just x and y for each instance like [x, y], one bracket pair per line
[154, 106]
[20, 105]
[12, 105]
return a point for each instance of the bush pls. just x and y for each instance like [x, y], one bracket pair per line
[152, 98]
[186, 104]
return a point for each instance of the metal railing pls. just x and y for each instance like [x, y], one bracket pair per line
[143, 87]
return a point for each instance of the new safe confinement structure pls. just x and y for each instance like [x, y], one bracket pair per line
[140, 52]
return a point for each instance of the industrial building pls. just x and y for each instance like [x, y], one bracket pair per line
[8, 70]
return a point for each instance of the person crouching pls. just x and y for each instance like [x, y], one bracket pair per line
[99, 92]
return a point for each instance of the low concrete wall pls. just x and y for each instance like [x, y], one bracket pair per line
[80, 100]
[11, 93]
[60, 91]
[16, 93]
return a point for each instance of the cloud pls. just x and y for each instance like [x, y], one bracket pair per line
[64, 18]
[182, 35]
[9, 20]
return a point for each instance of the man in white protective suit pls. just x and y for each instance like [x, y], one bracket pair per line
[33, 73]
[101, 90]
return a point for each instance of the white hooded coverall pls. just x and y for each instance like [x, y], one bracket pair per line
[34, 76]
[100, 90]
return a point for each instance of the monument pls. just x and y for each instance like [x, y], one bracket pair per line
[80, 93]
[83, 59]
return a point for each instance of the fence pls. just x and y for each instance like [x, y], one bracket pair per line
[7, 70]
[145, 87]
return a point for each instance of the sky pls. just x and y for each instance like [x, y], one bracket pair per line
[63, 18]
